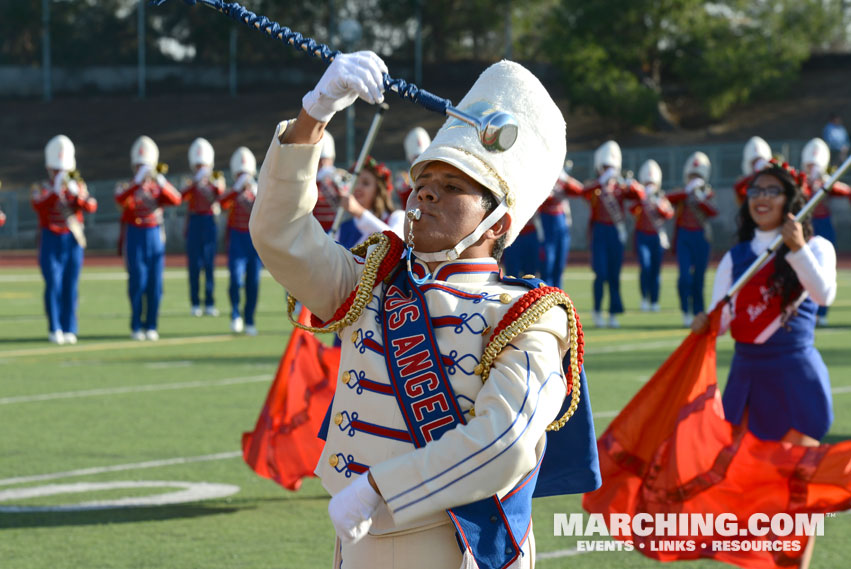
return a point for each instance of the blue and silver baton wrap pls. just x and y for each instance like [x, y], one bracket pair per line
[497, 131]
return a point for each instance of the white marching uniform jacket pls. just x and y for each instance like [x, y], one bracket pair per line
[498, 445]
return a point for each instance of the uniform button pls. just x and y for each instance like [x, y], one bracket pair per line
[333, 460]
[528, 276]
[346, 377]
[138, 221]
[354, 337]
[505, 298]
[338, 419]
[542, 285]
[478, 369]
[486, 331]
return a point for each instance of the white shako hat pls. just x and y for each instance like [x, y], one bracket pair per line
[650, 173]
[59, 153]
[328, 148]
[608, 154]
[243, 160]
[416, 141]
[522, 176]
[816, 152]
[698, 163]
[144, 151]
[755, 148]
[201, 152]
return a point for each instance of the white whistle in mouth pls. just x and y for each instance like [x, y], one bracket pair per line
[414, 214]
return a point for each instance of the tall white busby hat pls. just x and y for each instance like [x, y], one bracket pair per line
[59, 153]
[522, 176]
[201, 153]
[243, 160]
[416, 141]
[608, 154]
[650, 173]
[144, 151]
[817, 153]
[756, 148]
[698, 163]
[328, 148]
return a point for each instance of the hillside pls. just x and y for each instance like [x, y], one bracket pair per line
[104, 127]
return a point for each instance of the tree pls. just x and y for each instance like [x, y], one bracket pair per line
[623, 58]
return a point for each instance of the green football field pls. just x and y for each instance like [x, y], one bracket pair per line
[111, 419]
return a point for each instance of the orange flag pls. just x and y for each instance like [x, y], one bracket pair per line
[284, 445]
[670, 451]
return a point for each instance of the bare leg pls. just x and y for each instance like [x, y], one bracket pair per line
[799, 438]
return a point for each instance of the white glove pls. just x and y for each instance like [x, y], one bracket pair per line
[695, 184]
[326, 173]
[203, 172]
[350, 75]
[351, 510]
[73, 187]
[607, 175]
[141, 174]
[58, 182]
[242, 181]
[161, 180]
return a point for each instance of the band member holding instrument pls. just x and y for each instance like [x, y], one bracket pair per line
[202, 195]
[243, 263]
[141, 201]
[606, 196]
[370, 204]
[60, 202]
[815, 159]
[694, 206]
[651, 240]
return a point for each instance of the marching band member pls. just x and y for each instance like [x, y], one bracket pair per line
[370, 205]
[243, 262]
[606, 195]
[60, 202]
[694, 206]
[556, 221]
[755, 157]
[202, 194]
[416, 141]
[331, 182]
[466, 445]
[815, 159]
[651, 240]
[524, 256]
[2, 215]
[143, 248]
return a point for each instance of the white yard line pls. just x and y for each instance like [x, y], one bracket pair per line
[172, 273]
[134, 389]
[558, 553]
[114, 345]
[119, 467]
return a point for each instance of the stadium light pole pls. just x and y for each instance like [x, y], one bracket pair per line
[45, 51]
[418, 45]
[232, 74]
[141, 41]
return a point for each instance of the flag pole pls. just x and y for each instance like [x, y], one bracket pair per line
[805, 211]
[364, 152]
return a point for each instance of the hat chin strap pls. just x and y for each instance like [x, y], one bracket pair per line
[455, 252]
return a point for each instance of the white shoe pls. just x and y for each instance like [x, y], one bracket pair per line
[236, 325]
[250, 330]
[687, 319]
[654, 307]
[645, 306]
[70, 338]
[196, 311]
[152, 335]
[821, 321]
[599, 322]
[613, 321]
[211, 311]
[57, 337]
[137, 335]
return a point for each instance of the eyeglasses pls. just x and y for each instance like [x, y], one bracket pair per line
[771, 192]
